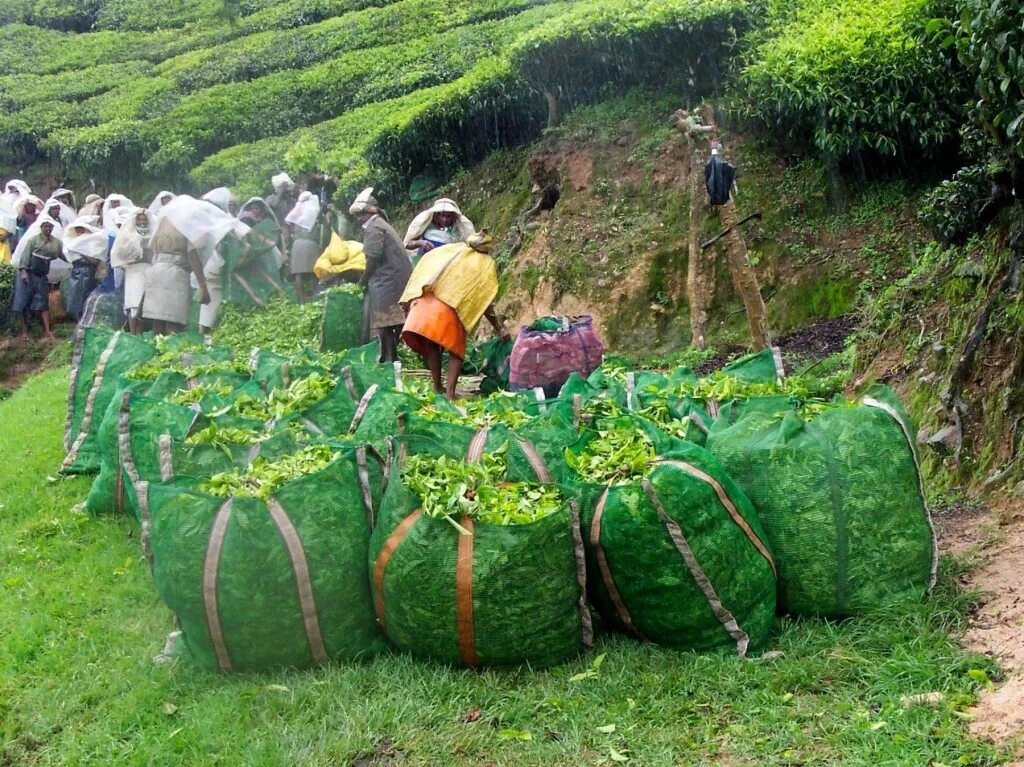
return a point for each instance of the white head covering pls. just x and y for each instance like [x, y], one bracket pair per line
[30, 199]
[83, 239]
[281, 180]
[66, 214]
[464, 228]
[93, 206]
[21, 190]
[109, 225]
[129, 247]
[200, 222]
[363, 202]
[221, 197]
[258, 202]
[62, 191]
[157, 205]
[32, 231]
[8, 217]
[305, 212]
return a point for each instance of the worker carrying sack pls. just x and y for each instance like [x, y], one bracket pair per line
[839, 493]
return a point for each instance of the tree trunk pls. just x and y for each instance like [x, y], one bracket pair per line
[554, 109]
[700, 279]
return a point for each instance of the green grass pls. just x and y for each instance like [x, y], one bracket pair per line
[81, 622]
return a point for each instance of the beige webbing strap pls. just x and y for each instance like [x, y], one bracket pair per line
[363, 471]
[713, 408]
[186, 359]
[697, 421]
[631, 391]
[606, 573]
[364, 405]
[254, 451]
[269, 278]
[124, 449]
[90, 402]
[380, 566]
[191, 383]
[76, 371]
[683, 547]
[166, 460]
[350, 385]
[244, 284]
[905, 429]
[303, 581]
[727, 504]
[399, 385]
[211, 568]
[119, 487]
[286, 373]
[464, 626]
[312, 426]
[254, 358]
[475, 452]
[580, 556]
[780, 369]
[577, 410]
[538, 393]
[540, 469]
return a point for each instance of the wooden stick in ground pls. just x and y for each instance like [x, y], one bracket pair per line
[744, 278]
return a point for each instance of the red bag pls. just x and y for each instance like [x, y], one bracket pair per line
[546, 358]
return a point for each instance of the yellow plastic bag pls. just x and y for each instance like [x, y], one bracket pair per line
[340, 256]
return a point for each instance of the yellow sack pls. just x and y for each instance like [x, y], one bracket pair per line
[464, 278]
[340, 256]
[5, 247]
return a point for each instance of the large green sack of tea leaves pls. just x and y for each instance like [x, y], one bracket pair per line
[99, 359]
[675, 550]
[258, 583]
[760, 367]
[496, 353]
[840, 496]
[483, 593]
[342, 324]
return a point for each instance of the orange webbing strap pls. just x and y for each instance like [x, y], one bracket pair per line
[464, 596]
[386, 552]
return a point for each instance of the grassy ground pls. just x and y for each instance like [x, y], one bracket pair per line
[80, 624]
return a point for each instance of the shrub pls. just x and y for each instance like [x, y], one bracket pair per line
[852, 76]
[951, 209]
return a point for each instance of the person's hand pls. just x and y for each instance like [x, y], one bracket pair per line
[204, 296]
[24, 276]
[505, 335]
[426, 245]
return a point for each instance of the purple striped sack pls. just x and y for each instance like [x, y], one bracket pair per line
[546, 358]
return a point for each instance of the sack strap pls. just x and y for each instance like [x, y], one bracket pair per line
[364, 405]
[905, 429]
[90, 402]
[211, 570]
[76, 371]
[350, 384]
[303, 582]
[381, 564]
[580, 556]
[363, 472]
[124, 449]
[703, 582]
[606, 573]
[166, 460]
[475, 452]
[465, 628]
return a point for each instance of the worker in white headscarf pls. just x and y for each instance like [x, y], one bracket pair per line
[112, 203]
[37, 251]
[93, 206]
[223, 199]
[133, 254]
[14, 190]
[85, 248]
[441, 224]
[159, 201]
[308, 242]
[59, 211]
[281, 202]
[66, 196]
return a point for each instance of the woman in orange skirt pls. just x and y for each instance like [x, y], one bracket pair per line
[465, 276]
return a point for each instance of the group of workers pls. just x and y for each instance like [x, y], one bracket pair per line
[429, 288]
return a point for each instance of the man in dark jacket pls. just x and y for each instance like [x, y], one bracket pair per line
[388, 269]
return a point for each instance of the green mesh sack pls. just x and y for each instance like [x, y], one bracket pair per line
[99, 360]
[679, 559]
[251, 278]
[103, 311]
[341, 326]
[841, 501]
[107, 493]
[598, 385]
[761, 367]
[496, 353]
[501, 596]
[257, 585]
[359, 377]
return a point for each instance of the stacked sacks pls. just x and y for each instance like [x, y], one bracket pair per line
[99, 359]
[453, 585]
[839, 493]
[675, 549]
[271, 575]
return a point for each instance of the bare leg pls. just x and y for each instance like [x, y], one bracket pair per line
[300, 287]
[388, 345]
[454, 371]
[45, 315]
[433, 360]
[24, 326]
